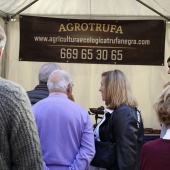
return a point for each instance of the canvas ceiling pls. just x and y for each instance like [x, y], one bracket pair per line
[146, 81]
[86, 7]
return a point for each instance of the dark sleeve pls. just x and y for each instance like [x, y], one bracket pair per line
[125, 133]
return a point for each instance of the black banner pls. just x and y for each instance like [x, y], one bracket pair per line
[130, 42]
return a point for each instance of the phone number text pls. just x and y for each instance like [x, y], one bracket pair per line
[91, 54]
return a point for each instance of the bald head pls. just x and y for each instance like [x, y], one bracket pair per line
[59, 81]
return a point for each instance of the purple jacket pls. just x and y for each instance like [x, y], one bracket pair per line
[65, 132]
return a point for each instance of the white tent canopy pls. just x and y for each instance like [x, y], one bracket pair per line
[89, 7]
[146, 81]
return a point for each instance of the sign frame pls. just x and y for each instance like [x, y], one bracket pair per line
[122, 42]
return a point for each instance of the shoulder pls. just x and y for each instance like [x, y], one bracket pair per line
[39, 89]
[159, 146]
[125, 115]
[151, 144]
[125, 107]
[10, 87]
[13, 94]
[76, 108]
[124, 110]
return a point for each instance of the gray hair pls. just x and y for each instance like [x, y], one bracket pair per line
[58, 81]
[45, 70]
[2, 38]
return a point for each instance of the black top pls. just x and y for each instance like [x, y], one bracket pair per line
[40, 92]
[127, 131]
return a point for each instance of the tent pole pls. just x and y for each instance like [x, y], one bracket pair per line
[154, 10]
[12, 16]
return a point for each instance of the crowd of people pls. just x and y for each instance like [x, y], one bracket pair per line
[45, 129]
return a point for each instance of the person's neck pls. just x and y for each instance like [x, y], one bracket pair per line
[42, 83]
[167, 135]
[58, 93]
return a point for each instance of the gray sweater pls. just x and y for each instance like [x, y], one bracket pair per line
[19, 141]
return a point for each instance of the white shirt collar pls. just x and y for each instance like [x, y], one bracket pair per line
[108, 110]
[167, 135]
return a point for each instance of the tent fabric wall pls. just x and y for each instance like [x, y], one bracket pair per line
[146, 81]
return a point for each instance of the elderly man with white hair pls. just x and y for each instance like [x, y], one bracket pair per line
[64, 127]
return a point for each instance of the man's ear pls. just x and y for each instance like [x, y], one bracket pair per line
[69, 91]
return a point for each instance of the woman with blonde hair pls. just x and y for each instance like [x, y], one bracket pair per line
[122, 113]
[154, 154]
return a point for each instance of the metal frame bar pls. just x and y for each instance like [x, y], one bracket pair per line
[3, 14]
[17, 13]
[154, 10]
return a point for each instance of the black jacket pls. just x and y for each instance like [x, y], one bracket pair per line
[127, 131]
[40, 92]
